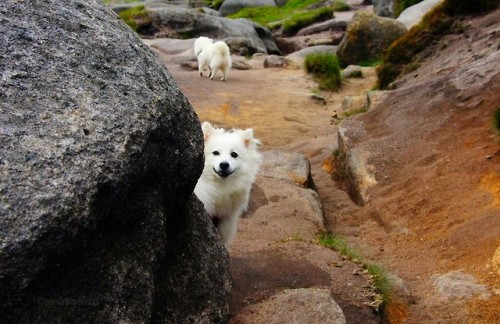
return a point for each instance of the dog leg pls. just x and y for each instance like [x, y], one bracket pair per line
[227, 228]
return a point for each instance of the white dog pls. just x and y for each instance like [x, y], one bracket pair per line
[216, 57]
[231, 165]
[200, 43]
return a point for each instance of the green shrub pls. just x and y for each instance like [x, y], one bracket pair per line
[137, 18]
[325, 70]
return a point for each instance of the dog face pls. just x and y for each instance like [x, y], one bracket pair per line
[227, 152]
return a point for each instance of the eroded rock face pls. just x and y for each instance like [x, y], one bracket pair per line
[367, 37]
[99, 155]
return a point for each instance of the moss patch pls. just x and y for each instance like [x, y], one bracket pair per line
[292, 16]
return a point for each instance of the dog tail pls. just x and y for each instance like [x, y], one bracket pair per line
[222, 48]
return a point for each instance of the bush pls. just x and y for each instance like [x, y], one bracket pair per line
[325, 70]
[137, 18]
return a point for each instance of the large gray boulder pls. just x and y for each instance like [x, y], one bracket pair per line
[367, 37]
[190, 23]
[411, 16]
[233, 6]
[99, 155]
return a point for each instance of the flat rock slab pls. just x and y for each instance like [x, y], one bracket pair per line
[280, 274]
[293, 271]
[302, 305]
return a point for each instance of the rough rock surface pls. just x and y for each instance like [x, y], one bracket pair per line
[383, 8]
[367, 37]
[435, 156]
[190, 23]
[301, 305]
[98, 223]
[411, 16]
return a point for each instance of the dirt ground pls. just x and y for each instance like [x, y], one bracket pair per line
[436, 206]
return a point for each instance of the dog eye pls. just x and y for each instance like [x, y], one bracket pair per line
[215, 153]
[234, 155]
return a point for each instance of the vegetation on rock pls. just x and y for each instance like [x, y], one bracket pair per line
[378, 274]
[214, 4]
[292, 16]
[325, 70]
[442, 20]
[137, 18]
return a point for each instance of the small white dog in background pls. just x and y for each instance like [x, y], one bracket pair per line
[214, 56]
[200, 43]
[232, 162]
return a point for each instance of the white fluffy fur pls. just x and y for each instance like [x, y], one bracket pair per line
[232, 162]
[216, 57]
[200, 43]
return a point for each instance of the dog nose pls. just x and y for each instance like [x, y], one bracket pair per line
[224, 165]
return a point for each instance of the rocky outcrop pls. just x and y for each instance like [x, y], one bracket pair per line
[329, 25]
[411, 16]
[367, 37]
[353, 166]
[233, 6]
[191, 23]
[100, 152]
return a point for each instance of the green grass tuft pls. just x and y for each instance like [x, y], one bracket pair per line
[325, 70]
[377, 273]
[340, 245]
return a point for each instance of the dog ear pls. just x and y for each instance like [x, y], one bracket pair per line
[248, 137]
[207, 129]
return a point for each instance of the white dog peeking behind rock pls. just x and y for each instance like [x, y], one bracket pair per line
[232, 162]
